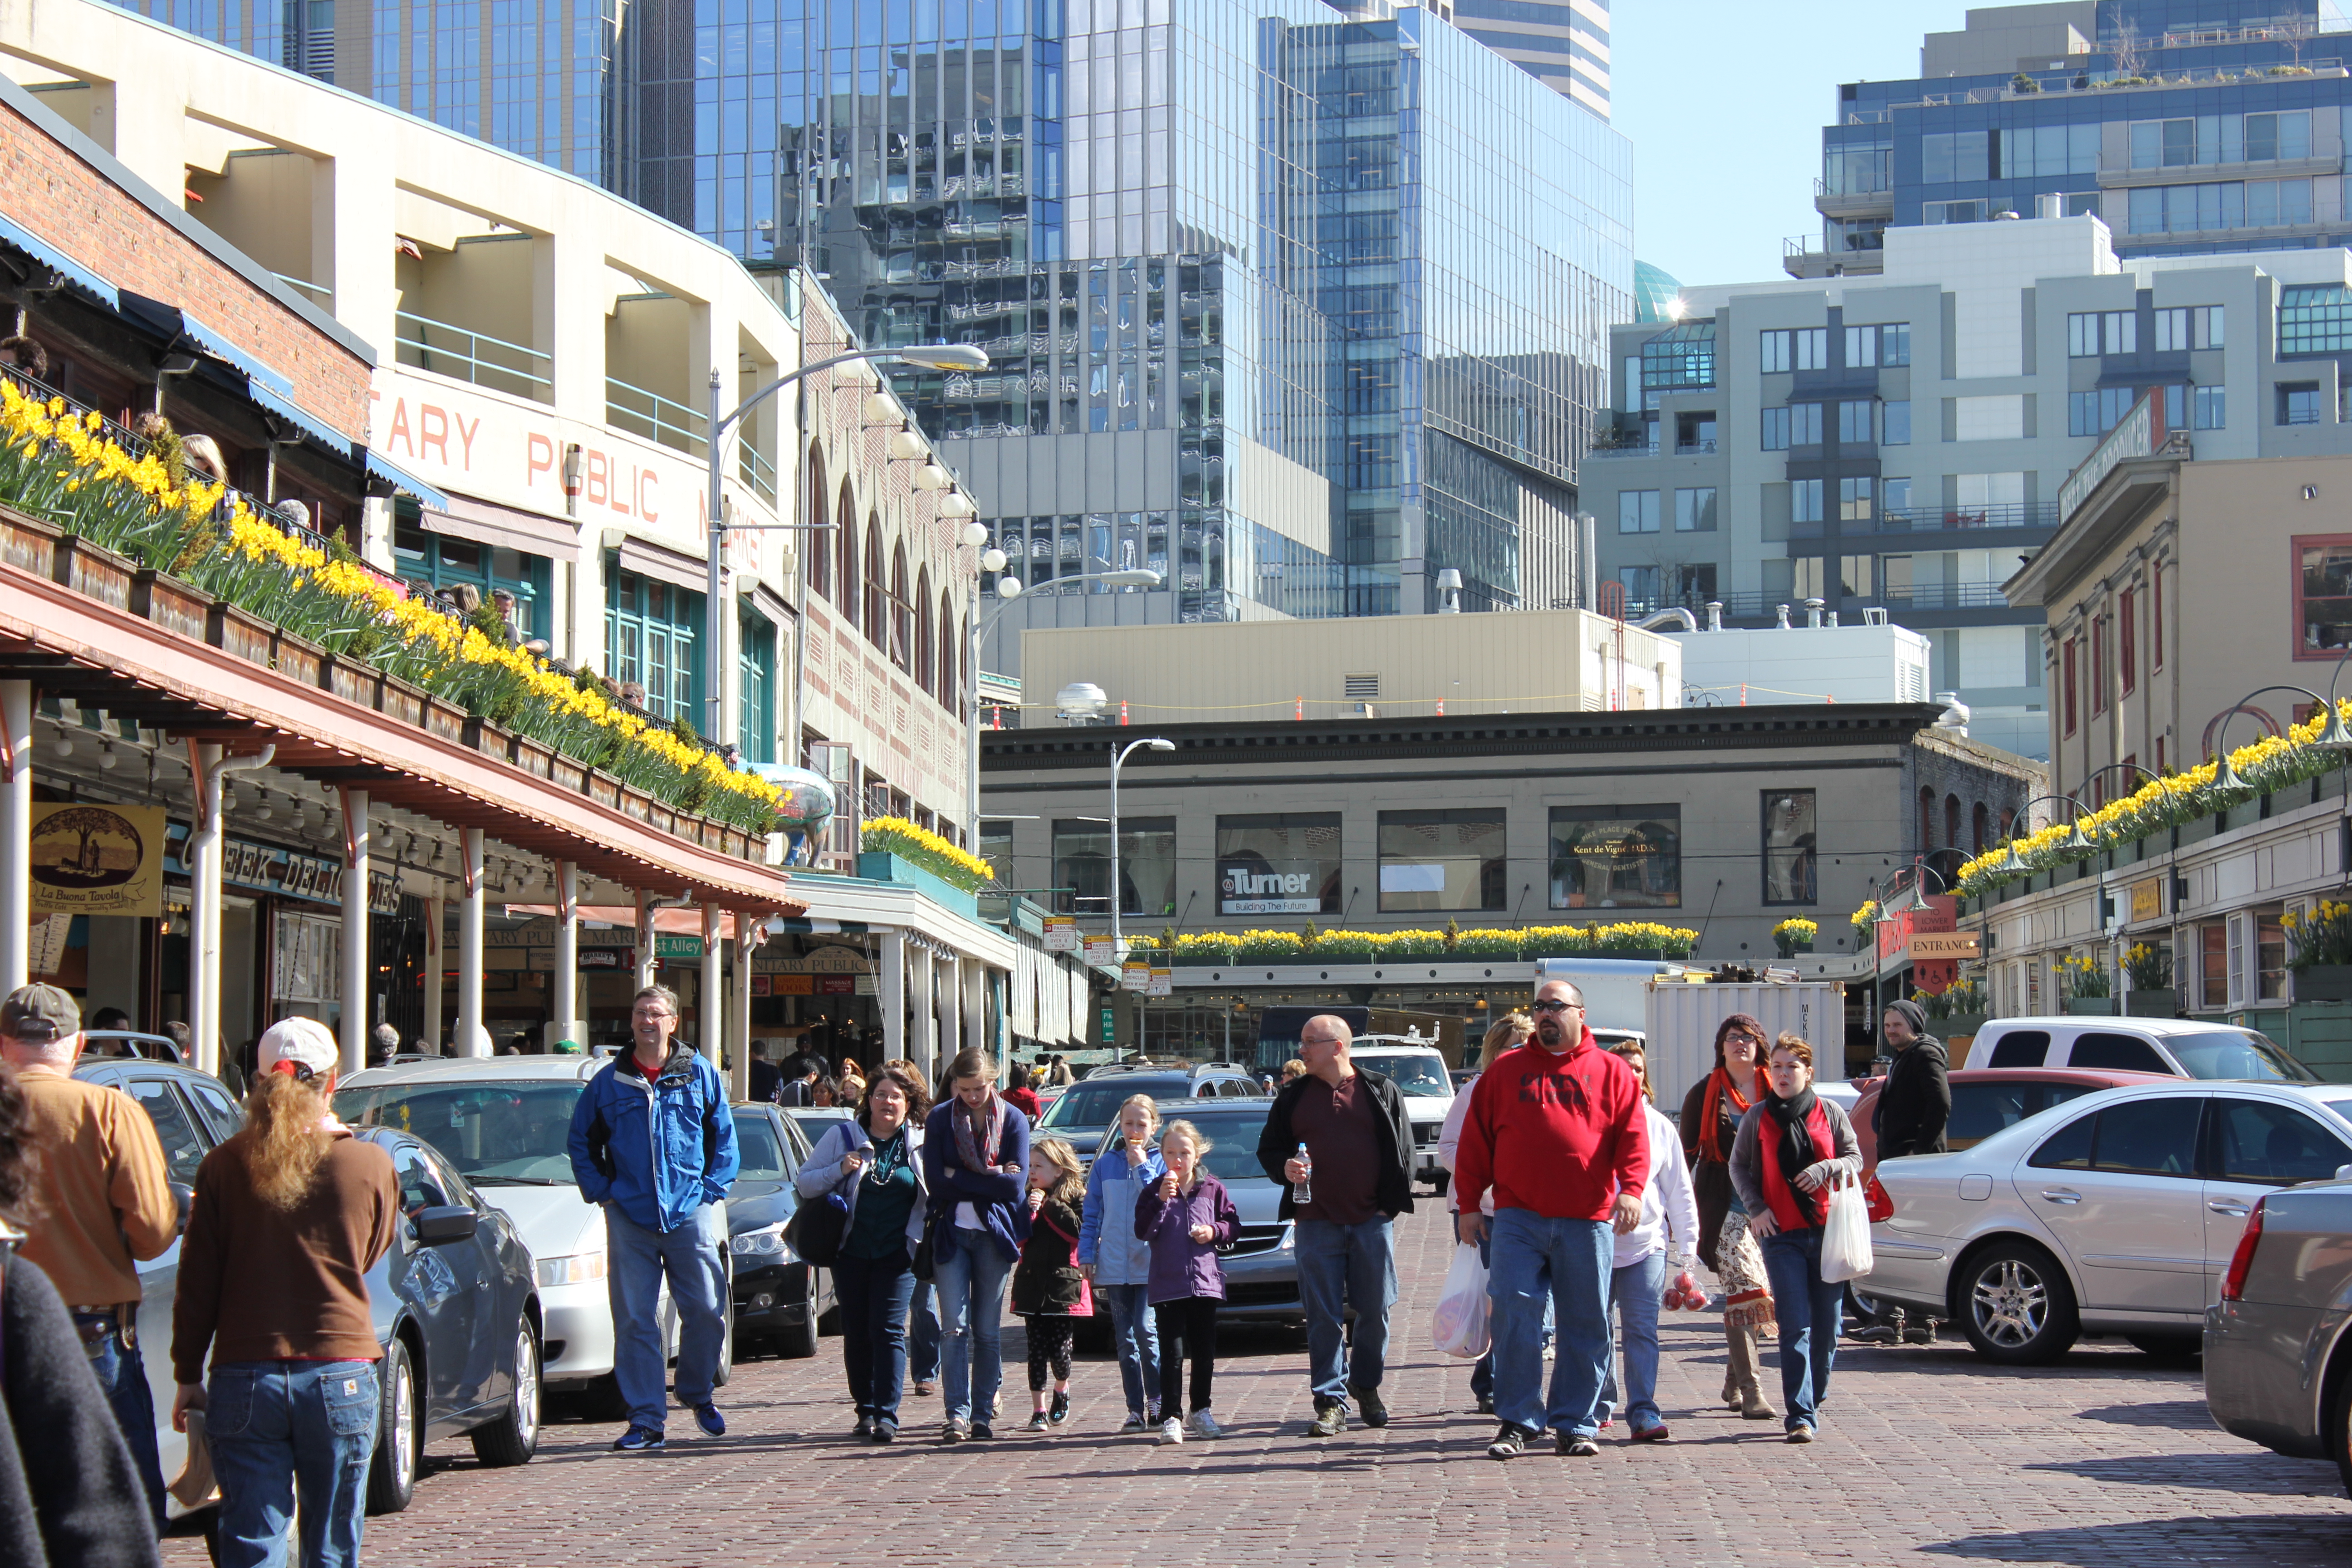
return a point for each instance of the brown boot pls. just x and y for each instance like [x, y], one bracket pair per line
[1753, 1406]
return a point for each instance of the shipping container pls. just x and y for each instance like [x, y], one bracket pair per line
[1682, 1019]
[1613, 988]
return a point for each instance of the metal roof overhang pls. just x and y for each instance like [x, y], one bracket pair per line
[67, 644]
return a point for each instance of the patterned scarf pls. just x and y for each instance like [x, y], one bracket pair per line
[976, 1150]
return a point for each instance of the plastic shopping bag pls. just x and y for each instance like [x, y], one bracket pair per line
[1459, 1325]
[1845, 1236]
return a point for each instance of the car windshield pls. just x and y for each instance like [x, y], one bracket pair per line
[1233, 1153]
[2236, 1054]
[1417, 1073]
[2342, 1106]
[497, 1135]
[1088, 1105]
[763, 1156]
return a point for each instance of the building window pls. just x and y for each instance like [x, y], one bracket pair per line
[996, 848]
[2270, 953]
[2033, 152]
[2127, 639]
[2315, 318]
[2211, 407]
[1279, 864]
[2098, 665]
[877, 587]
[1640, 586]
[650, 638]
[2213, 966]
[755, 713]
[847, 540]
[2323, 594]
[1616, 858]
[1776, 430]
[2156, 625]
[1789, 846]
[2097, 413]
[1637, 512]
[2181, 327]
[818, 562]
[1805, 501]
[1147, 866]
[2066, 674]
[2299, 403]
[1695, 510]
[1694, 583]
[1805, 424]
[442, 561]
[1444, 860]
[1951, 212]
[1812, 347]
[1775, 354]
[1894, 423]
[1860, 347]
[2093, 332]
[1856, 499]
[1955, 157]
[1853, 424]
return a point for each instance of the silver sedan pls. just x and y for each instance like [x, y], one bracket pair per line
[2113, 1213]
[2278, 1344]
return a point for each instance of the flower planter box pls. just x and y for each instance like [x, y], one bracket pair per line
[164, 601]
[298, 659]
[239, 633]
[1956, 1026]
[2324, 982]
[354, 680]
[29, 544]
[536, 758]
[2091, 1006]
[637, 804]
[401, 701]
[1791, 949]
[567, 772]
[443, 719]
[2161, 1003]
[96, 572]
[603, 788]
[880, 866]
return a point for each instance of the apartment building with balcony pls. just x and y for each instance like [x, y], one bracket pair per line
[1901, 440]
[2204, 129]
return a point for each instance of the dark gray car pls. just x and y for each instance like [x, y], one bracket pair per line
[1080, 1112]
[1261, 1266]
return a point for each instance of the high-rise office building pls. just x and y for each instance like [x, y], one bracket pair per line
[2188, 126]
[1564, 44]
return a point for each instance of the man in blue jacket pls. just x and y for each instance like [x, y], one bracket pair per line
[654, 1143]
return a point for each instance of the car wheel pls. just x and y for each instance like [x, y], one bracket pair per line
[797, 1342]
[2016, 1305]
[400, 1433]
[2174, 1349]
[513, 1437]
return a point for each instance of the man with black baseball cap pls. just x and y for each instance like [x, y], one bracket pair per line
[105, 1198]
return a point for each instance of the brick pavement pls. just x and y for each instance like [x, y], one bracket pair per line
[2104, 1460]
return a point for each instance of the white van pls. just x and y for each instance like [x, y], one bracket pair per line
[1418, 1069]
[2181, 1047]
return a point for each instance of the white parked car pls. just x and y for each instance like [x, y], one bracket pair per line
[2178, 1047]
[2115, 1213]
[1421, 1075]
[505, 1124]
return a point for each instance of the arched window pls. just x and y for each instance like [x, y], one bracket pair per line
[902, 616]
[1952, 822]
[844, 543]
[819, 553]
[877, 627]
[925, 644]
[1927, 820]
[950, 657]
[1980, 829]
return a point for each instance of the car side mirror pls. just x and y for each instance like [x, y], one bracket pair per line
[184, 1198]
[440, 1226]
[2344, 1172]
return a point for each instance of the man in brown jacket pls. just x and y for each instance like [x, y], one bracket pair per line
[104, 1199]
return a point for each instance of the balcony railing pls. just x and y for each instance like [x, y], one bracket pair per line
[653, 416]
[1999, 514]
[1945, 596]
[758, 472]
[477, 357]
[319, 294]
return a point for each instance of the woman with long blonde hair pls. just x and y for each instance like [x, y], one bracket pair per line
[288, 1217]
[1118, 1261]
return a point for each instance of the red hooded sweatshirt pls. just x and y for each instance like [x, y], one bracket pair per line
[1558, 1133]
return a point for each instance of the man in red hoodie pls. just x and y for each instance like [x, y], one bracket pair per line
[1556, 1128]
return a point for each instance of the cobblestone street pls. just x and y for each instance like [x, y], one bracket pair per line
[2106, 1459]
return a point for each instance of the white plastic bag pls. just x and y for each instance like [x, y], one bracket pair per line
[1459, 1325]
[1845, 1236]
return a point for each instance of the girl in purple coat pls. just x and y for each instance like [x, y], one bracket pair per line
[1184, 1217]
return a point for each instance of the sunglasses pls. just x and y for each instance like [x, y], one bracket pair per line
[1558, 1007]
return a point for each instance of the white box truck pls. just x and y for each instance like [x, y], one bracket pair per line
[1615, 991]
[1680, 1020]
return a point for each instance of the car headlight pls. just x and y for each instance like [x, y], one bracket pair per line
[579, 1268]
[766, 1243]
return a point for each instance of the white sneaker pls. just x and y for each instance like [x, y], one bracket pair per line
[1204, 1426]
[1172, 1430]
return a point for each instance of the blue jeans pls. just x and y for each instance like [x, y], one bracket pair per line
[971, 1282]
[1135, 1334]
[282, 1428]
[1564, 1263]
[694, 1257]
[873, 1292]
[123, 1374]
[923, 1334]
[1636, 1292]
[1341, 1266]
[1810, 1311]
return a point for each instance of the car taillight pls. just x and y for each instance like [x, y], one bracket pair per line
[1876, 1203]
[2233, 1283]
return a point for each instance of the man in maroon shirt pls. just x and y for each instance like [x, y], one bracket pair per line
[1359, 1171]
[1557, 1129]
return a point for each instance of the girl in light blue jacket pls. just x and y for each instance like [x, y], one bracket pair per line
[1118, 1263]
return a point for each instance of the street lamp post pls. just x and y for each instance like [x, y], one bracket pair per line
[929, 356]
[1117, 945]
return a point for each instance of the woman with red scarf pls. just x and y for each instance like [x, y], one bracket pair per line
[1710, 1122]
[1793, 1150]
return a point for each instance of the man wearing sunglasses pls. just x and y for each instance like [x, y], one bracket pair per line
[1558, 1130]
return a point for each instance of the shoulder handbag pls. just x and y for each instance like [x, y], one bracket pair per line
[926, 1250]
[817, 1228]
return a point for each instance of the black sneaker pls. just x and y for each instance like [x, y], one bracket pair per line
[1368, 1408]
[982, 1431]
[1569, 1444]
[865, 1427]
[1486, 1404]
[1060, 1412]
[1510, 1442]
[954, 1431]
[885, 1431]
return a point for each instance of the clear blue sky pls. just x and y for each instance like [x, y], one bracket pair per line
[1724, 103]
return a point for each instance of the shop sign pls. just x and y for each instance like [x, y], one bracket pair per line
[865, 984]
[1162, 983]
[844, 985]
[289, 873]
[541, 959]
[2146, 899]
[1061, 933]
[98, 860]
[1109, 1027]
[1242, 890]
[1943, 944]
[666, 946]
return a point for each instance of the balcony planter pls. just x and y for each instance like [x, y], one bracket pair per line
[603, 788]
[536, 758]
[1791, 947]
[1956, 1026]
[164, 601]
[567, 772]
[2091, 1006]
[2161, 1003]
[2324, 982]
[29, 544]
[880, 866]
[402, 702]
[637, 804]
[239, 633]
[297, 660]
[445, 719]
[93, 572]
[354, 680]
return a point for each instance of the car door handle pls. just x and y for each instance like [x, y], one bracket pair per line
[2061, 1194]
[2234, 1209]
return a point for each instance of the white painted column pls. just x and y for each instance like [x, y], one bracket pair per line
[951, 1008]
[205, 908]
[566, 978]
[357, 971]
[890, 993]
[473, 1039]
[748, 933]
[974, 1002]
[437, 958]
[644, 939]
[709, 1031]
[16, 834]
[923, 1048]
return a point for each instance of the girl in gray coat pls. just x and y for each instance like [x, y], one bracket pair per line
[1116, 1260]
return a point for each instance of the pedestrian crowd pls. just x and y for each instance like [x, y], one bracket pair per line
[1586, 1205]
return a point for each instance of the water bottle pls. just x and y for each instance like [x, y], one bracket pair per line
[1302, 1191]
